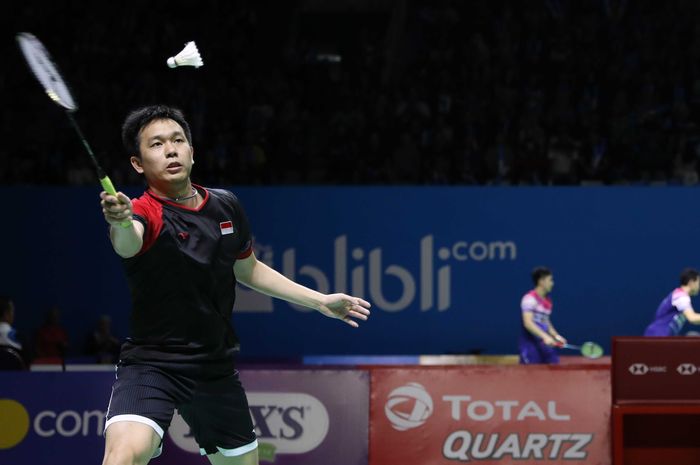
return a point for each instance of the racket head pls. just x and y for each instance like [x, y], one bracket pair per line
[45, 70]
[591, 350]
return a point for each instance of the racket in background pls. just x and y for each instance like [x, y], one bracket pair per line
[588, 349]
[47, 74]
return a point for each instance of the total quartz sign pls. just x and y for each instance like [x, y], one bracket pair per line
[489, 415]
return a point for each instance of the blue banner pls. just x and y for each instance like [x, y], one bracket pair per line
[53, 417]
[444, 268]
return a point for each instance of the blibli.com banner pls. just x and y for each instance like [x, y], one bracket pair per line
[490, 415]
[444, 268]
[300, 417]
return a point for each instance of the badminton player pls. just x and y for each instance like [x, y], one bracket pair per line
[184, 247]
[538, 337]
[676, 308]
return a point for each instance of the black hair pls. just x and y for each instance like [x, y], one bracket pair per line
[689, 274]
[539, 273]
[140, 118]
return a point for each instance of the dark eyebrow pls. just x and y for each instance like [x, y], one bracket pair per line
[170, 136]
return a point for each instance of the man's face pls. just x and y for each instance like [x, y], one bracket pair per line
[547, 283]
[166, 154]
[694, 287]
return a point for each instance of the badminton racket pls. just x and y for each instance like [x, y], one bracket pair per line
[47, 74]
[587, 349]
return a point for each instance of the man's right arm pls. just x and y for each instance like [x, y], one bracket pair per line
[692, 316]
[125, 233]
[531, 326]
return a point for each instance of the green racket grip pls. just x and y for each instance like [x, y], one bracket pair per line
[109, 188]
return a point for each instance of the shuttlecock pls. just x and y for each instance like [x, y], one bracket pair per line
[189, 56]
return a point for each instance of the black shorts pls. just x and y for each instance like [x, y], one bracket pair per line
[216, 409]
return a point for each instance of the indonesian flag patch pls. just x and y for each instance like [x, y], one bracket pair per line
[226, 227]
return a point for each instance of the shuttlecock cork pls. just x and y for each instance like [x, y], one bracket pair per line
[189, 56]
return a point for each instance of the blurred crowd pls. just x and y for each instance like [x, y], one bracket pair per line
[50, 343]
[544, 92]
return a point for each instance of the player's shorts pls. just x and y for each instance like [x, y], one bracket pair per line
[658, 330]
[216, 410]
[536, 352]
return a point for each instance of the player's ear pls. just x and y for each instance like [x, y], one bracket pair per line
[136, 164]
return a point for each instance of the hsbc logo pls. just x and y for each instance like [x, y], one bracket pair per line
[408, 406]
[686, 369]
[639, 369]
[642, 369]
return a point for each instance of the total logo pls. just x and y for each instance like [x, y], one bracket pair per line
[292, 422]
[392, 287]
[408, 406]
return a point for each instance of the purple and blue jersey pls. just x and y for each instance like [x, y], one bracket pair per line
[541, 308]
[531, 347]
[669, 319]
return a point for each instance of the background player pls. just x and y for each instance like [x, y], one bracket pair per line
[538, 337]
[676, 308]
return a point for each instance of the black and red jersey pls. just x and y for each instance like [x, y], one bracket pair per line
[182, 282]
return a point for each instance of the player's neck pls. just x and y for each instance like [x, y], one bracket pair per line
[186, 195]
[541, 292]
[172, 191]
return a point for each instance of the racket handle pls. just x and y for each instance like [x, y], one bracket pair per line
[109, 188]
[570, 346]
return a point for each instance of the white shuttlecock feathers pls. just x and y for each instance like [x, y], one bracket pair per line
[189, 56]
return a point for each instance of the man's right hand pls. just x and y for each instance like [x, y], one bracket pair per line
[550, 341]
[117, 210]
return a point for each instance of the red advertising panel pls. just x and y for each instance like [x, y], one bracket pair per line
[656, 369]
[490, 415]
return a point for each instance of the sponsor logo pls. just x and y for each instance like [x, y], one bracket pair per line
[465, 446]
[291, 421]
[686, 369]
[285, 422]
[14, 424]
[390, 286]
[639, 369]
[408, 406]
[505, 410]
[69, 423]
[411, 405]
